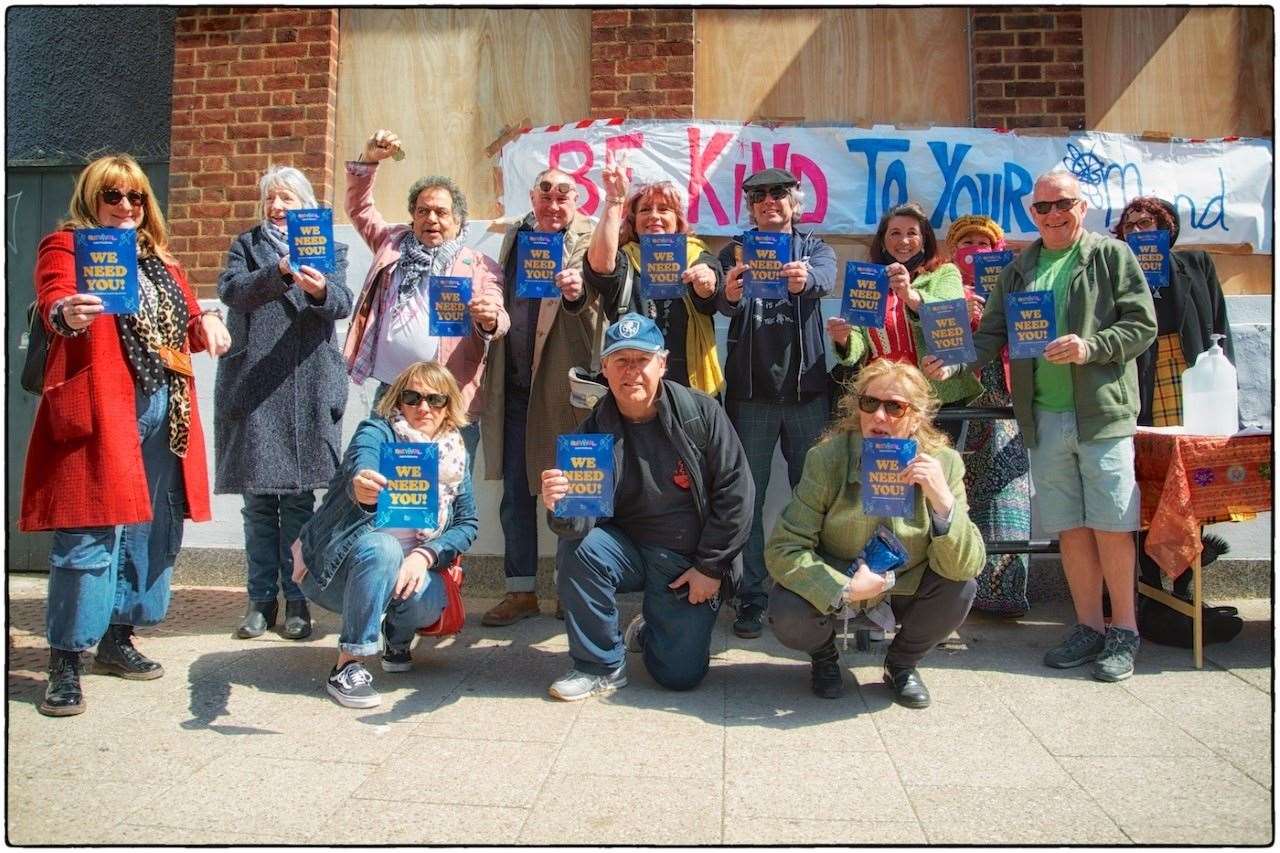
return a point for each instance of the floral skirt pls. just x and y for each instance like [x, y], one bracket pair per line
[997, 479]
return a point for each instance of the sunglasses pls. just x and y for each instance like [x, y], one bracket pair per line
[562, 188]
[114, 196]
[892, 408]
[412, 398]
[1063, 204]
[775, 193]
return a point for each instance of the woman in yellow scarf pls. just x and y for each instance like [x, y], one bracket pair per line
[612, 267]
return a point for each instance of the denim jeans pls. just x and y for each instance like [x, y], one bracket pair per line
[518, 510]
[361, 591]
[470, 432]
[120, 574]
[677, 635]
[271, 524]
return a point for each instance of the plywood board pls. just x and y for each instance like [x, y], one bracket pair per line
[448, 81]
[903, 66]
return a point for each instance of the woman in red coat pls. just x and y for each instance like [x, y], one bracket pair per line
[116, 458]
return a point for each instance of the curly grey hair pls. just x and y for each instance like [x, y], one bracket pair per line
[431, 182]
[797, 204]
[289, 178]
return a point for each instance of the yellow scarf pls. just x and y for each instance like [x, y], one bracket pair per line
[700, 339]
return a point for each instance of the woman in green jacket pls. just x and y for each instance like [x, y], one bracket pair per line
[919, 271]
[814, 550]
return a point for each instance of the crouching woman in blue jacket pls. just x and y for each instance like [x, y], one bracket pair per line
[346, 565]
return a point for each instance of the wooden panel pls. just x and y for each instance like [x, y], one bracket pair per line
[447, 81]
[1193, 72]
[903, 66]
[1245, 274]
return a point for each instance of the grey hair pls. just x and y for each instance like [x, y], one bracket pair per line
[1057, 174]
[797, 204]
[433, 182]
[289, 178]
[541, 176]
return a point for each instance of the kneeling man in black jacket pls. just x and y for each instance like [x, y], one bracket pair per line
[681, 513]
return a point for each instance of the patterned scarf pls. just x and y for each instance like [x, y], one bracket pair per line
[452, 467]
[418, 261]
[277, 237]
[162, 321]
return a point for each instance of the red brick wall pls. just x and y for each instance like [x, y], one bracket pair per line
[251, 88]
[642, 63]
[1028, 66]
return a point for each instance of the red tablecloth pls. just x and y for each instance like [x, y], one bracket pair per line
[1187, 481]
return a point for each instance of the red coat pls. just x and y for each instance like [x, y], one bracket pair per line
[84, 461]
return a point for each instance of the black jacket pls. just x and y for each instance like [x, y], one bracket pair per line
[1198, 301]
[722, 488]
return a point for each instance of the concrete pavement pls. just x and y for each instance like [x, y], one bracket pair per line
[239, 744]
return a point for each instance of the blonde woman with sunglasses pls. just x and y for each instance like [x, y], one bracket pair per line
[813, 551]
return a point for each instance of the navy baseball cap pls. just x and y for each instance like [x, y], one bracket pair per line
[632, 331]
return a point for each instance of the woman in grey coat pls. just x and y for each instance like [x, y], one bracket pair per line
[279, 398]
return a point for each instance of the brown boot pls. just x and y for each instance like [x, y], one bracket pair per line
[511, 609]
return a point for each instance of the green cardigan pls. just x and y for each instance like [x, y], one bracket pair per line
[941, 285]
[823, 528]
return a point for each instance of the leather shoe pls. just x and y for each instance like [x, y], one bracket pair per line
[117, 656]
[824, 678]
[63, 698]
[258, 617]
[908, 687]
[297, 620]
[511, 609]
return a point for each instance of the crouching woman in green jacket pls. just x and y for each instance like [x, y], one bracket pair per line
[824, 529]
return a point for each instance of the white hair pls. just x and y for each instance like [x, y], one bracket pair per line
[289, 178]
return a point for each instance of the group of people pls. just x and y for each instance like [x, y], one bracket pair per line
[694, 437]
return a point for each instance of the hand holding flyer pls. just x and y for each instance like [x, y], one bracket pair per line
[947, 335]
[449, 297]
[107, 267]
[662, 260]
[539, 258]
[765, 252]
[587, 462]
[987, 267]
[1152, 251]
[1031, 322]
[883, 491]
[311, 238]
[410, 497]
[866, 294]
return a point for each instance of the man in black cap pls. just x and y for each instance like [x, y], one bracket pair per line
[776, 369]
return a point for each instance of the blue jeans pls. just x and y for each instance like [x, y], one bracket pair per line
[677, 635]
[760, 426]
[518, 510]
[361, 591]
[271, 523]
[470, 432]
[119, 575]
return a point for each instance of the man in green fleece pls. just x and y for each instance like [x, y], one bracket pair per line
[1077, 407]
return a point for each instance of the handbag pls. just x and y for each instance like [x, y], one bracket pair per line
[454, 615]
[37, 353]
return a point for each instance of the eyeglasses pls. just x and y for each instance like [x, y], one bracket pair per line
[892, 408]
[1063, 204]
[562, 188]
[114, 196]
[1146, 223]
[775, 193]
[409, 397]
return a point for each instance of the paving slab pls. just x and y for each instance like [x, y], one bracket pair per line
[975, 815]
[624, 810]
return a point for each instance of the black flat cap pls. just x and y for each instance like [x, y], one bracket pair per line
[770, 178]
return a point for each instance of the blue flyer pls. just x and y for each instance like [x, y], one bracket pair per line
[883, 491]
[107, 267]
[987, 267]
[947, 334]
[538, 260]
[409, 499]
[587, 460]
[449, 297]
[1030, 322]
[866, 294]
[1152, 251]
[311, 238]
[662, 260]
[765, 252]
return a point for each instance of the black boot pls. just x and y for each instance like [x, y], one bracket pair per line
[258, 617]
[824, 678]
[117, 656]
[297, 620]
[62, 698]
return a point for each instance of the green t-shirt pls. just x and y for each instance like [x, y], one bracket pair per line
[1053, 381]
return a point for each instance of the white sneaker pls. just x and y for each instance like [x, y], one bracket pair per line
[575, 685]
[631, 638]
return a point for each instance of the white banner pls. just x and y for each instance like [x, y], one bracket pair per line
[850, 176]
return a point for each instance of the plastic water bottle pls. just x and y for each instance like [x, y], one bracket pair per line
[1210, 400]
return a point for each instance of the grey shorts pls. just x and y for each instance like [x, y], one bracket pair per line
[1082, 483]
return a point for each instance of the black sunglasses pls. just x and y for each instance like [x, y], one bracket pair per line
[409, 397]
[1043, 207]
[114, 196]
[892, 408]
[775, 193]
[547, 186]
